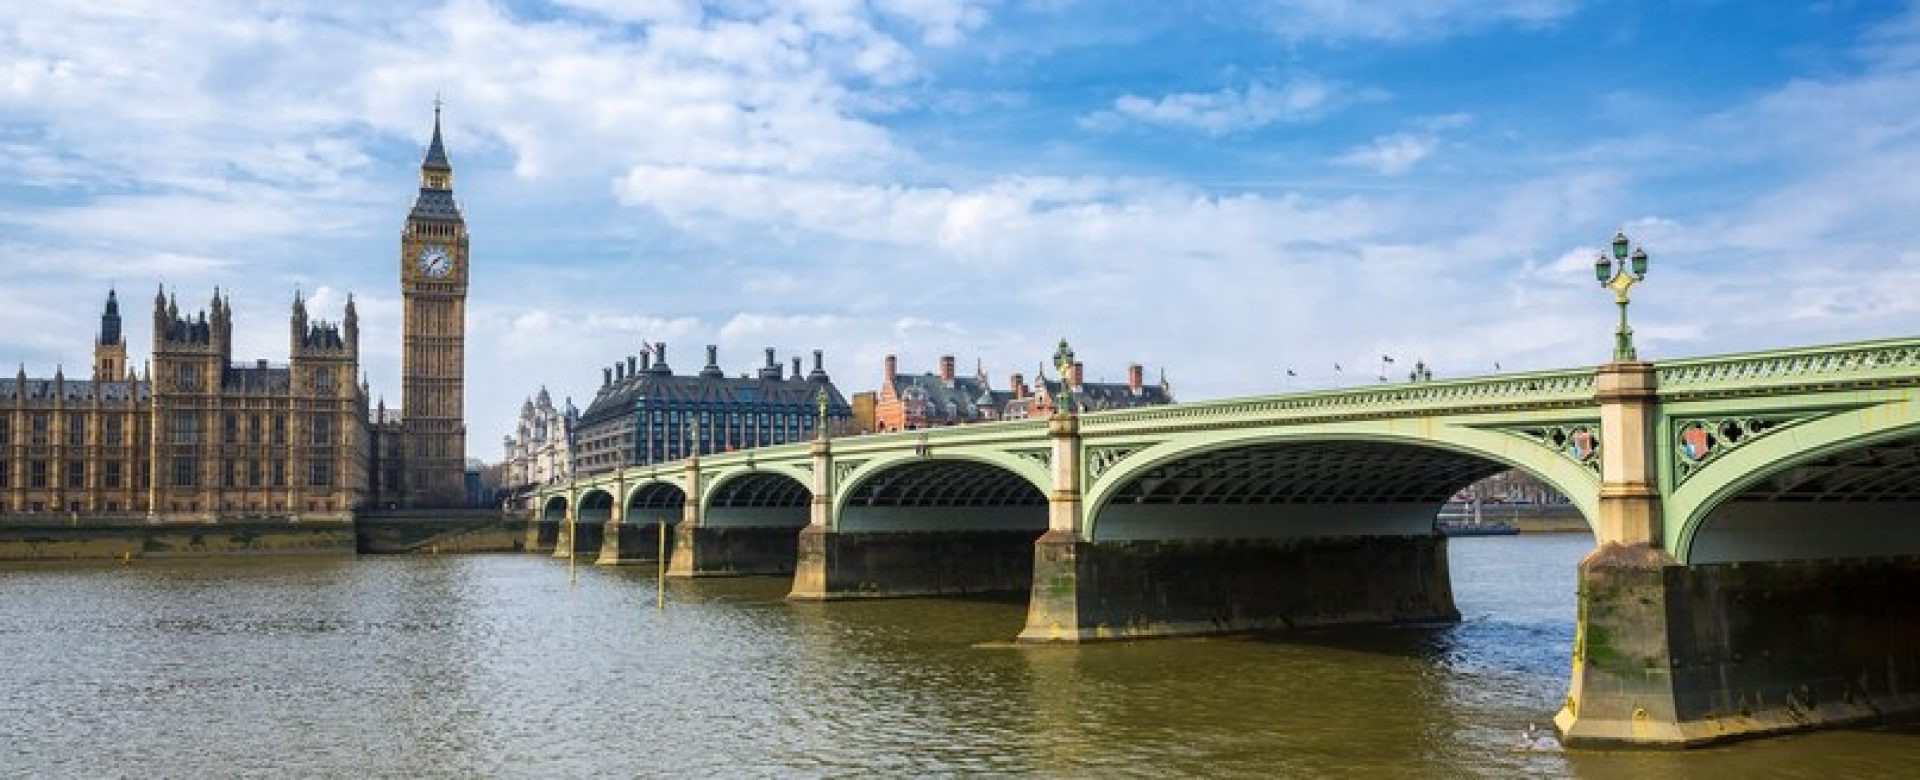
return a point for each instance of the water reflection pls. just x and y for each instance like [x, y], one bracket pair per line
[495, 666]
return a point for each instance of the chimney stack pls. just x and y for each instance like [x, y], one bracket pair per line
[606, 377]
[1019, 386]
[946, 369]
[1136, 378]
[633, 365]
[819, 365]
[619, 370]
[660, 358]
[892, 370]
[796, 368]
[1079, 375]
[646, 361]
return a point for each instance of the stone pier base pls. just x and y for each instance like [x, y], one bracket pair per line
[1676, 656]
[543, 535]
[625, 543]
[724, 551]
[845, 565]
[1088, 591]
[581, 539]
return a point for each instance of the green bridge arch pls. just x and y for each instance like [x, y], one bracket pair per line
[1571, 478]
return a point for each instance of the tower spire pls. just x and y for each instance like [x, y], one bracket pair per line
[436, 150]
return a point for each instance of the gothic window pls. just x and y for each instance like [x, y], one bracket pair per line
[279, 473]
[230, 429]
[229, 473]
[39, 425]
[6, 474]
[114, 430]
[183, 475]
[253, 429]
[323, 380]
[186, 377]
[6, 430]
[279, 429]
[253, 473]
[186, 428]
[322, 429]
[76, 474]
[76, 430]
[111, 477]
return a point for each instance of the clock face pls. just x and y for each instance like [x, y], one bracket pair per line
[434, 261]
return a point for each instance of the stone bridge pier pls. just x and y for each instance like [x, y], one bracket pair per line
[748, 523]
[1760, 585]
[1258, 535]
[633, 534]
[924, 525]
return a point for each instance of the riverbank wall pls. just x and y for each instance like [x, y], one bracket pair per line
[51, 537]
[45, 537]
[438, 531]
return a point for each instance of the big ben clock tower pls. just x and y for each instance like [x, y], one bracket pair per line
[433, 285]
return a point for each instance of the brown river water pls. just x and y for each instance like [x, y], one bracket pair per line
[495, 666]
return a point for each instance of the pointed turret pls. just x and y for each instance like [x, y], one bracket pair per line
[436, 159]
[110, 320]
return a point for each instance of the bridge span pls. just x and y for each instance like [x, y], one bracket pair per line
[1757, 545]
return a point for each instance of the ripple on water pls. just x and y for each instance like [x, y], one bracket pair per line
[495, 666]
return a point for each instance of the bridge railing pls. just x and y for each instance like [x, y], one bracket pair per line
[1888, 363]
[1569, 387]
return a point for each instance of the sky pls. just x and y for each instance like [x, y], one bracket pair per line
[1225, 191]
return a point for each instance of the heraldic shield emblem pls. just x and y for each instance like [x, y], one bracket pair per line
[1580, 445]
[1695, 441]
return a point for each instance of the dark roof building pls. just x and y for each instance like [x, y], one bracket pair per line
[644, 413]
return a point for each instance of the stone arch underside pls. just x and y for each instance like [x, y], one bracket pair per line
[554, 510]
[596, 506]
[1289, 489]
[655, 502]
[1857, 502]
[943, 495]
[758, 499]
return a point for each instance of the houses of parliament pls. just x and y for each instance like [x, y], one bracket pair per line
[195, 435]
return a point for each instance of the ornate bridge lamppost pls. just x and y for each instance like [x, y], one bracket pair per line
[1620, 273]
[1063, 362]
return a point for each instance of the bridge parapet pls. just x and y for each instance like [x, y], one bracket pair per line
[1862, 365]
[1546, 389]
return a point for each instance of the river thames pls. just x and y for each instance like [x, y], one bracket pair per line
[495, 666]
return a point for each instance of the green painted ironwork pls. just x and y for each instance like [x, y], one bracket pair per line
[1832, 399]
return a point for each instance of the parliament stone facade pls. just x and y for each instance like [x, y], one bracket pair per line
[196, 435]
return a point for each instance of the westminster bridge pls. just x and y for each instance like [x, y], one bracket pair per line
[1757, 546]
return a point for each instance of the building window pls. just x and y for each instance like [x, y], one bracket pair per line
[279, 429]
[253, 429]
[37, 474]
[76, 430]
[230, 473]
[183, 472]
[323, 380]
[111, 477]
[230, 429]
[76, 473]
[279, 473]
[253, 473]
[6, 430]
[322, 429]
[6, 474]
[186, 377]
[320, 473]
[39, 425]
[114, 430]
[186, 428]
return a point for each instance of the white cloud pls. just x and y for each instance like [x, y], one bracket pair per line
[1340, 20]
[1391, 155]
[1227, 110]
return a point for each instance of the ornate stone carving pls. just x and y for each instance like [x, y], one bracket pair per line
[1099, 459]
[1043, 456]
[842, 468]
[1578, 440]
[1698, 441]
